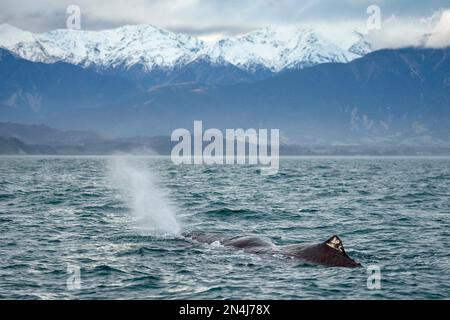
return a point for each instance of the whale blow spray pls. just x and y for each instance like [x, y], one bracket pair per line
[149, 205]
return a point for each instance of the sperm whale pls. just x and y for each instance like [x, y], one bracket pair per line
[330, 253]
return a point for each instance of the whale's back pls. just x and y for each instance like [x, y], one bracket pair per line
[247, 242]
[330, 253]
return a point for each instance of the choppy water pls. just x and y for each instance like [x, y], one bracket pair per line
[107, 218]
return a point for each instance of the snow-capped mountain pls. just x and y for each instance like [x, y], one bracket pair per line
[125, 46]
[278, 48]
[10, 36]
[151, 48]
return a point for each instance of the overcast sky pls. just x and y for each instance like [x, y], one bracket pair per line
[403, 21]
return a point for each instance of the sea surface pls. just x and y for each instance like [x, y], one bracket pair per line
[110, 228]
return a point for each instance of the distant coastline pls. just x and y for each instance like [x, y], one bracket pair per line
[162, 146]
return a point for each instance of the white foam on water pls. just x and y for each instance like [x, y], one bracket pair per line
[149, 205]
[216, 244]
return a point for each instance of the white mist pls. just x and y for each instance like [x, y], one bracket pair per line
[150, 207]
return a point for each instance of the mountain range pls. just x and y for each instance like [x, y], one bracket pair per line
[293, 79]
[19, 139]
[154, 55]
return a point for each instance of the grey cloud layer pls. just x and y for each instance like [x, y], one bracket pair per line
[231, 17]
[201, 16]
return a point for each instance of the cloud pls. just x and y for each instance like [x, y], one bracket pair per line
[403, 22]
[440, 35]
[429, 31]
[399, 32]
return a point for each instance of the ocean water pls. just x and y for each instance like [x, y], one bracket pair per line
[118, 221]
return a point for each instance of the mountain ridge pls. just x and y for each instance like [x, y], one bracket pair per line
[152, 48]
[19, 140]
[390, 96]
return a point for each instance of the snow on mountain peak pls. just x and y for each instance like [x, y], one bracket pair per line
[278, 48]
[10, 35]
[151, 47]
[126, 46]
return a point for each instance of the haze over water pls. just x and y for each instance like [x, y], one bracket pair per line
[120, 220]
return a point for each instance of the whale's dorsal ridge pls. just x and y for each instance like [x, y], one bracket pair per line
[335, 243]
[330, 253]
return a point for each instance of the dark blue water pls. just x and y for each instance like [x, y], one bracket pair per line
[119, 222]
